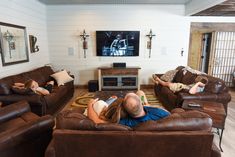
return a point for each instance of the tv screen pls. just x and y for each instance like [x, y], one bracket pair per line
[117, 43]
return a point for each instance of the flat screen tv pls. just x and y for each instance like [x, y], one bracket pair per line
[117, 43]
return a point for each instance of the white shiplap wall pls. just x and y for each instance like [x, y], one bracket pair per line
[66, 23]
[32, 15]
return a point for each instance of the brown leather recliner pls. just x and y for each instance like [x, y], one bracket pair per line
[23, 133]
[182, 134]
[41, 105]
[215, 91]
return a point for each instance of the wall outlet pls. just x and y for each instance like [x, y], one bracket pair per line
[70, 51]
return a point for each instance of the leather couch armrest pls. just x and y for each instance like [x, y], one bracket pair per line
[13, 110]
[26, 133]
[50, 151]
[215, 152]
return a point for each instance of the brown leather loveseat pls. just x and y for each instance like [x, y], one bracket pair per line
[215, 90]
[41, 105]
[182, 134]
[23, 133]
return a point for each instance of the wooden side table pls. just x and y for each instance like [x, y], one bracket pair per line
[213, 109]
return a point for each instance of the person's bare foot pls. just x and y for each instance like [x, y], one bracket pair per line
[155, 78]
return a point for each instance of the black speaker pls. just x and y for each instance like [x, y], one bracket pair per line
[119, 65]
[93, 85]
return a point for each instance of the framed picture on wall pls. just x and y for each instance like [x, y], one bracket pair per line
[13, 44]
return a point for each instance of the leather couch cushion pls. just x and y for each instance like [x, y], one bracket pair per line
[188, 78]
[183, 121]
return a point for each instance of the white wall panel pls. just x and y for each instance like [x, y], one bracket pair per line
[65, 23]
[32, 15]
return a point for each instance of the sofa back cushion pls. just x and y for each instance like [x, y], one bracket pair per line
[183, 121]
[41, 75]
[185, 77]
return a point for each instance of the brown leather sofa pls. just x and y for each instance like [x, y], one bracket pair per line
[183, 134]
[23, 133]
[215, 91]
[41, 105]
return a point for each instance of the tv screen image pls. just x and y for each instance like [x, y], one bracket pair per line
[117, 43]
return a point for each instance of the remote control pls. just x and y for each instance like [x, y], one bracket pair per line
[194, 105]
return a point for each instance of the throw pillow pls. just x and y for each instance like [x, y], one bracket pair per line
[22, 91]
[169, 75]
[62, 77]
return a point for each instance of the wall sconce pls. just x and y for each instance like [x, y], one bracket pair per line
[9, 38]
[84, 36]
[32, 42]
[149, 43]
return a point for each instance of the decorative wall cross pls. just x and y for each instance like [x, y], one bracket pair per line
[149, 43]
[84, 36]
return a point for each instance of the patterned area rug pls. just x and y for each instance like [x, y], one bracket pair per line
[84, 98]
[153, 100]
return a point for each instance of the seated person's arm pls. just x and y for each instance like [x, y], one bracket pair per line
[18, 85]
[42, 91]
[92, 114]
[194, 89]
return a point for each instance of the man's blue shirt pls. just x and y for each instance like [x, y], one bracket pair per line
[151, 114]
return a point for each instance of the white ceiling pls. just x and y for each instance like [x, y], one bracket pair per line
[51, 2]
[192, 7]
